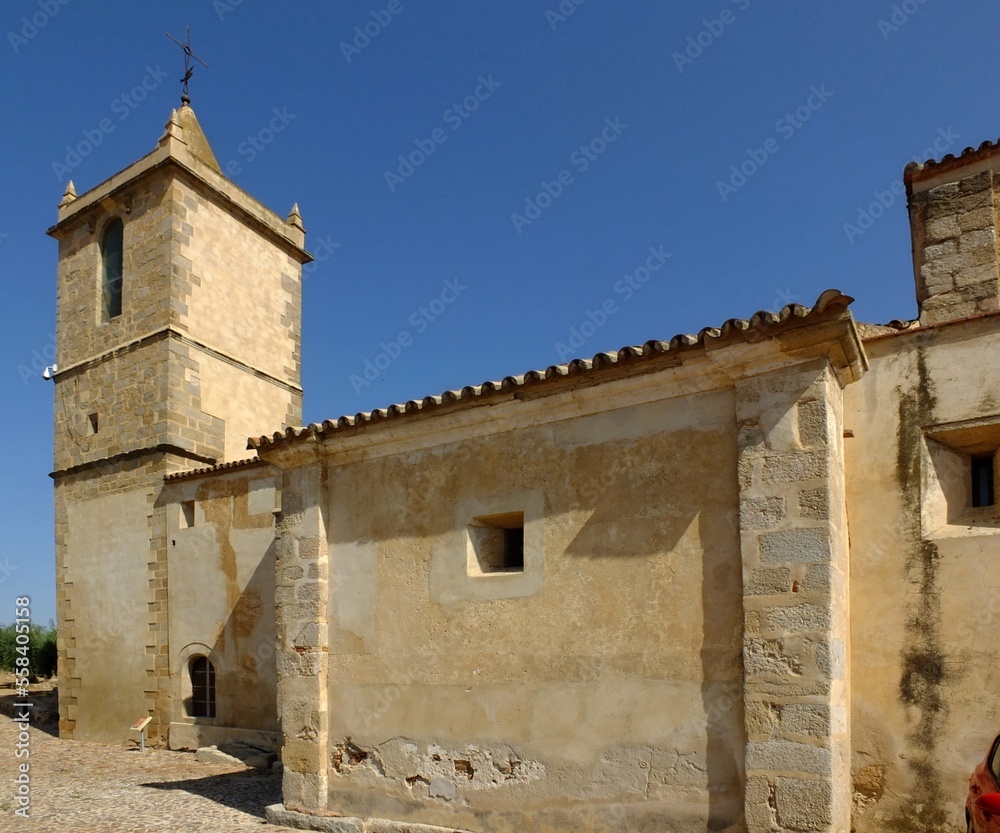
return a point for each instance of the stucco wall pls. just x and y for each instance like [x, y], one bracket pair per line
[221, 590]
[109, 533]
[105, 583]
[925, 599]
[602, 687]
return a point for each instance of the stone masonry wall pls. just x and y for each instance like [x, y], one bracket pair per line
[111, 600]
[145, 214]
[955, 249]
[142, 396]
[220, 264]
[795, 569]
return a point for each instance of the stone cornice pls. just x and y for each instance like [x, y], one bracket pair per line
[114, 459]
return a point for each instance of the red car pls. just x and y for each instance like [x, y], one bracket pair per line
[982, 807]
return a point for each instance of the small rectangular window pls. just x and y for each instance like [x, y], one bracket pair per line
[497, 543]
[93, 423]
[187, 514]
[982, 481]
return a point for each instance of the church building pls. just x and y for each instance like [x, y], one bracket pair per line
[733, 581]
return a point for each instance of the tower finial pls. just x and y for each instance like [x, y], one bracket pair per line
[68, 195]
[188, 69]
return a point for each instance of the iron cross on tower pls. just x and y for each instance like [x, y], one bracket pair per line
[188, 69]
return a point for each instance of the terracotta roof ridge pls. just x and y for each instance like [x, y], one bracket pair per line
[830, 301]
[921, 170]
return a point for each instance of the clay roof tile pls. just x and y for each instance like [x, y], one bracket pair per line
[737, 329]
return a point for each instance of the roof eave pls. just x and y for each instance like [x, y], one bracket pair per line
[829, 323]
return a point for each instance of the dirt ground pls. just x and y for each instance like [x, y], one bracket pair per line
[78, 787]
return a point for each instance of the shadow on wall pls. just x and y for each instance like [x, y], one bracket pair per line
[722, 667]
[645, 510]
[223, 595]
[649, 568]
[247, 679]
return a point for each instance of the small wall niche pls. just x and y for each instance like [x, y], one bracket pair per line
[495, 549]
[960, 478]
[496, 544]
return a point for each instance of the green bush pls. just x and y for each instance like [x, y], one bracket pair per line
[41, 649]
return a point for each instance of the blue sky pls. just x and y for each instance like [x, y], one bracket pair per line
[490, 186]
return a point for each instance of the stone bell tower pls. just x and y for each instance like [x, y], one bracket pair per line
[178, 335]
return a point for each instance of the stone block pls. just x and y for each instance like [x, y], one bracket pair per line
[831, 659]
[308, 548]
[788, 468]
[277, 814]
[984, 238]
[947, 307]
[816, 580]
[985, 256]
[977, 218]
[390, 826]
[814, 503]
[750, 437]
[804, 805]
[979, 185]
[812, 423]
[768, 582]
[786, 756]
[942, 229]
[302, 756]
[962, 259]
[977, 275]
[771, 658]
[212, 755]
[258, 760]
[812, 719]
[988, 306]
[798, 618]
[759, 803]
[761, 720]
[761, 513]
[940, 194]
[308, 591]
[801, 545]
[940, 250]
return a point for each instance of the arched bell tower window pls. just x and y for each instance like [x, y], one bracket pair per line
[202, 687]
[111, 270]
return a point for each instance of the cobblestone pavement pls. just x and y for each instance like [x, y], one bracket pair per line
[81, 787]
